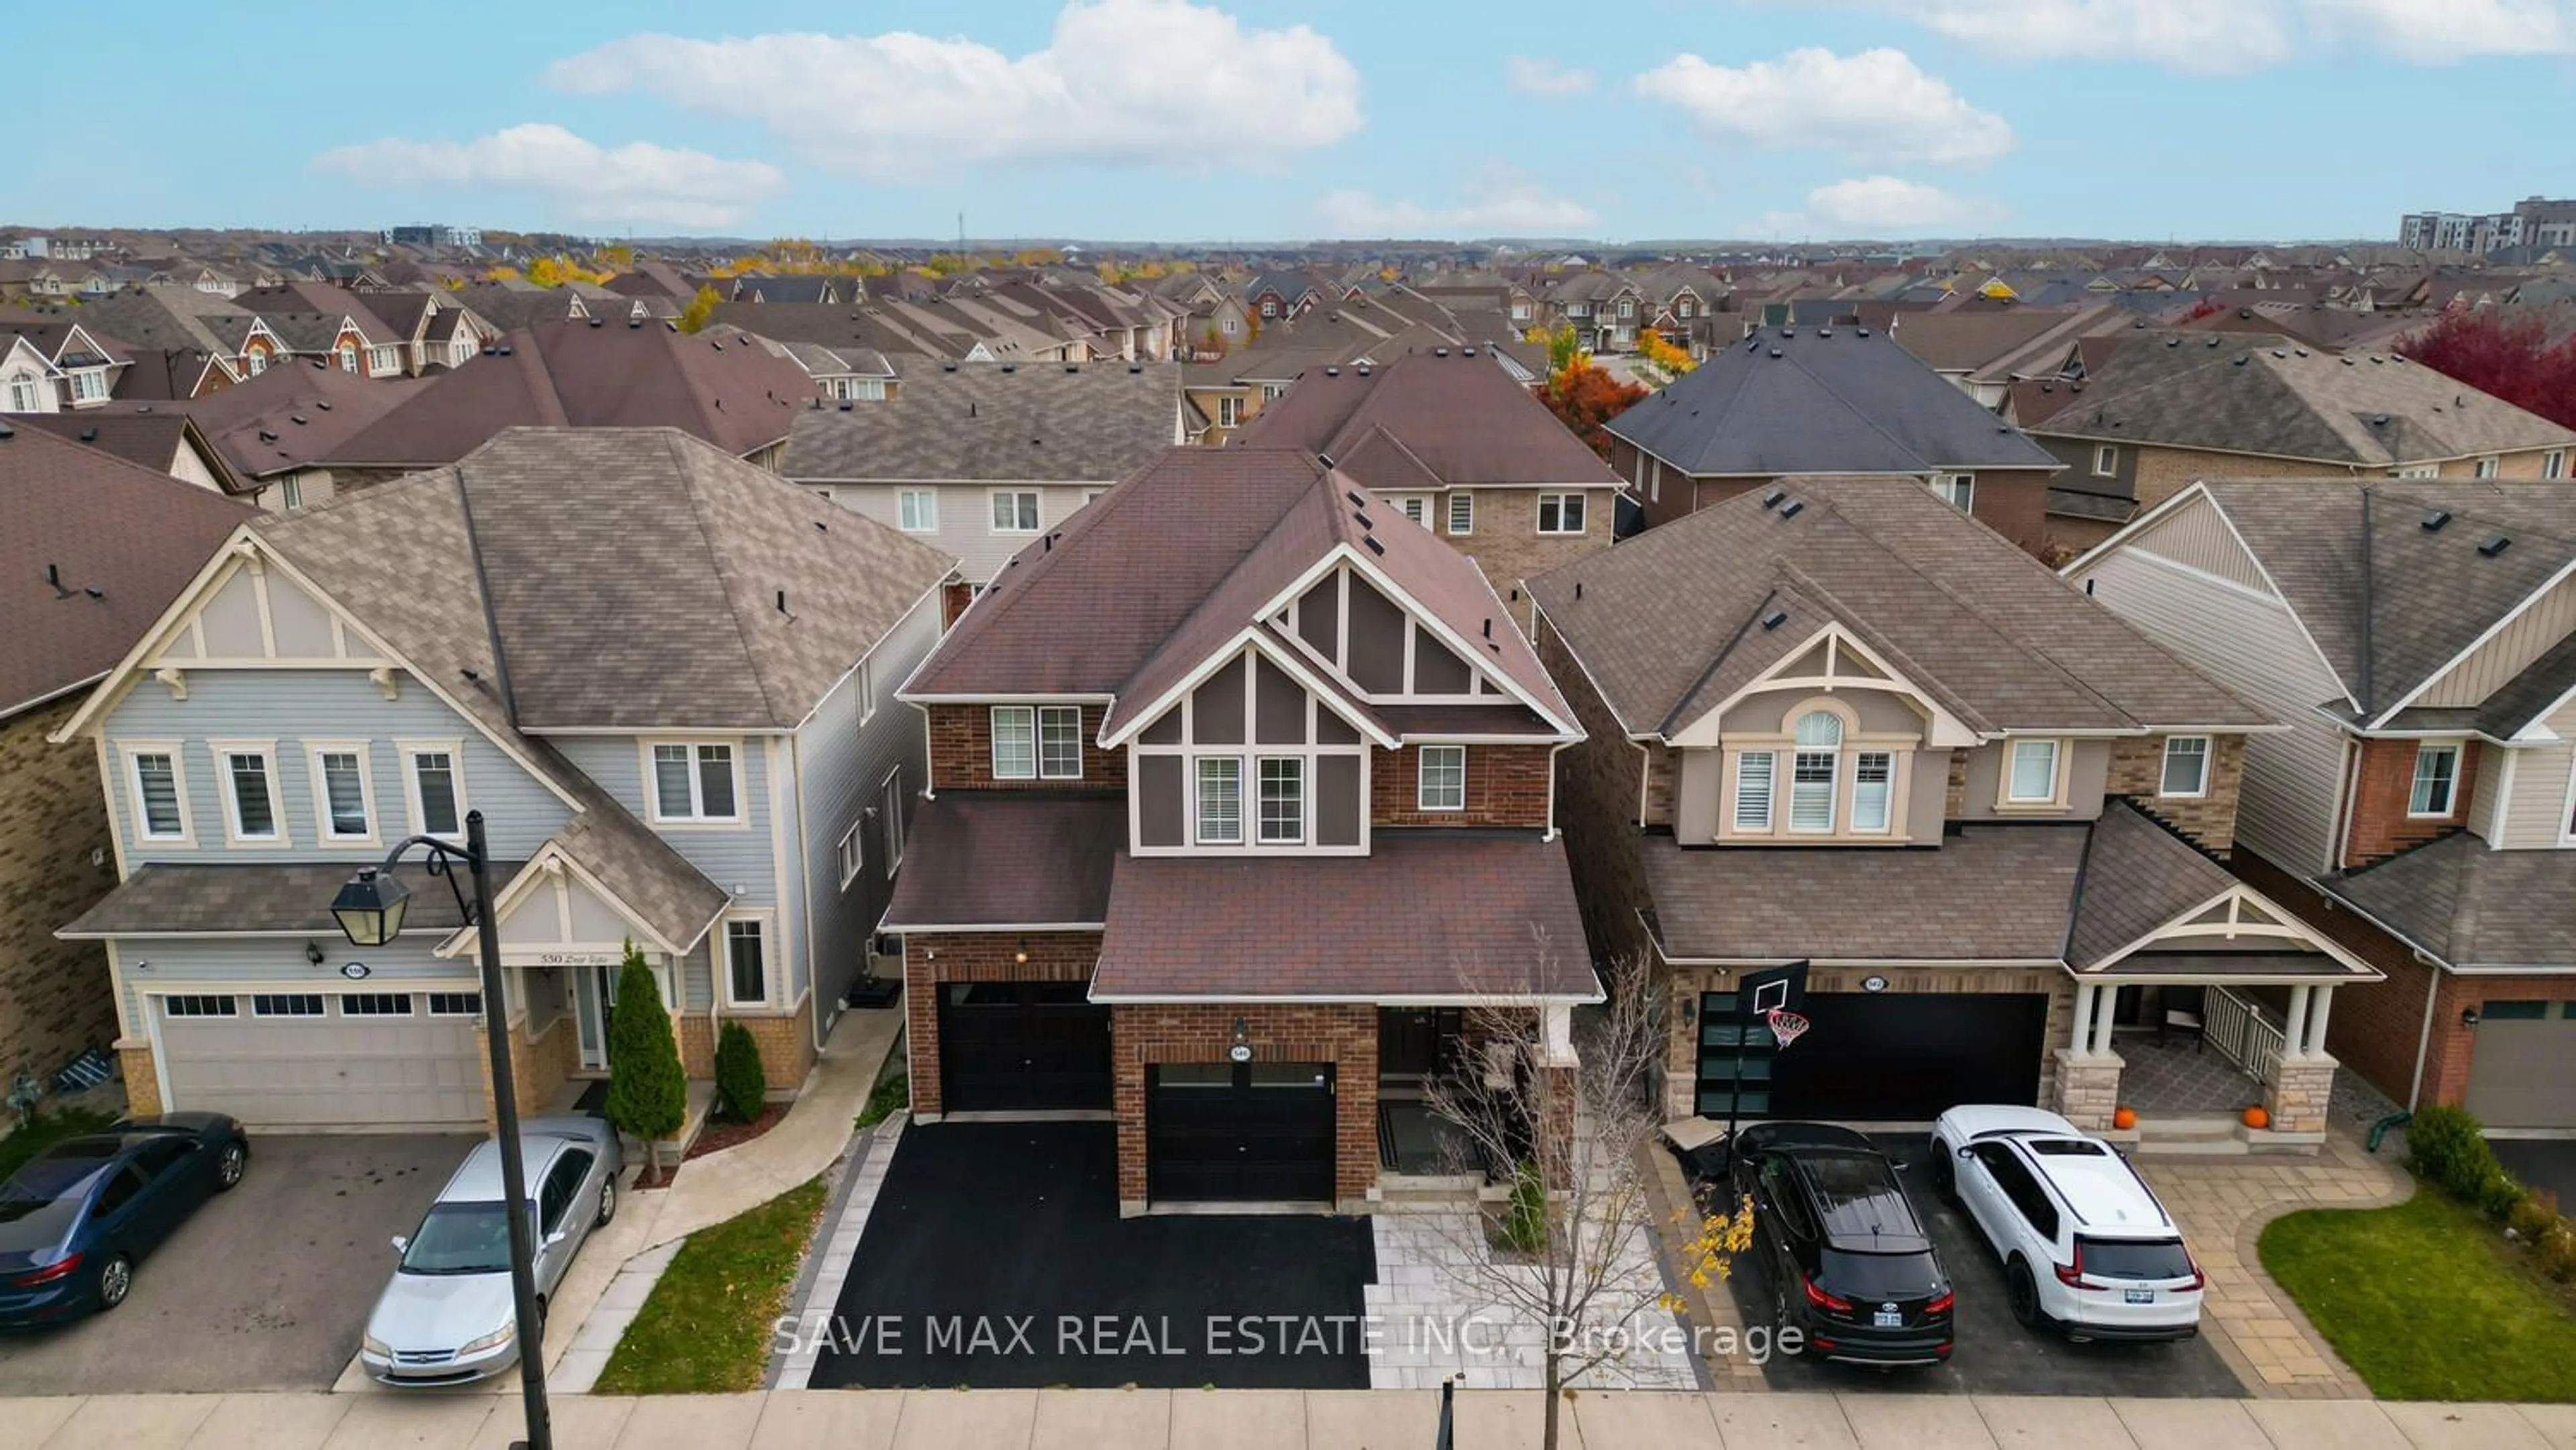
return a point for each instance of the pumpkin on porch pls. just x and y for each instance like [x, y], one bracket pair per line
[2256, 1116]
[2124, 1118]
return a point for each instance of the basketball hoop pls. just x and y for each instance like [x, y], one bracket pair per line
[1786, 1026]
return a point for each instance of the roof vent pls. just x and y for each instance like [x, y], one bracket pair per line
[1374, 546]
[2459, 400]
[1772, 499]
[1365, 525]
[1860, 332]
[782, 601]
[2379, 421]
[1010, 367]
[298, 419]
[1578, 588]
[632, 323]
[2173, 342]
[266, 436]
[89, 435]
[2215, 341]
[1788, 332]
[1135, 367]
[1775, 352]
[2376, 359]
[2241, 357]
[713, 343]
[2348, 362]
[1357, 502]
[595, 322]
[1440, 352]
[1471, 352]
[948, 367]
[2276, 352]
[2494, 544]
[1332, 371]
[1775, 619]
[323, 404]
[2434, 520]
[1793, 508]
[1073, 367]
[847, 405]
[505, 349]
[1824, 332]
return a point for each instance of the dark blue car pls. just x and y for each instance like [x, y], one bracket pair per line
[77, 1217]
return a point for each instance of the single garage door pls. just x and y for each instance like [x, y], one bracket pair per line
[1020, 1046]
[395, 1060]
[1877, 1056]
[1259, 1132]
[2518, 1073]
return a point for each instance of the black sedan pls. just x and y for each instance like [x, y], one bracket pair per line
[1850, 1264]
[77, 1216]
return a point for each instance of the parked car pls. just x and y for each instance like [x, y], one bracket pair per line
[1848, 1259]
[2087, 1247]
[76, 1218]
[447, 1315]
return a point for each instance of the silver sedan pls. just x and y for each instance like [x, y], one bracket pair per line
[446, 1315]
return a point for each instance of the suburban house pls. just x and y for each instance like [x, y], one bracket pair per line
[1826, 400]
[2165, 410]
[53, 365]
[1837, 722]
[278, 431]
[1454, 444]
[979, 459]
[160, 439]
[2418, 640]
[95, 549]
[1226, 838]
[661, 674]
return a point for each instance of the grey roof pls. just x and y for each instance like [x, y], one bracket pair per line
[1008, 858]
[2248, 393]
[2429, 594]
[1035, 422]
[2472, 906]
[284, 897]
[1821, 400]
[1666, 623]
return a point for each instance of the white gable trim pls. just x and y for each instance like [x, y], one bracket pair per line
[2494, 628]
[1943, 731]
[2284, 927]
[549, 867]
[1257, 639]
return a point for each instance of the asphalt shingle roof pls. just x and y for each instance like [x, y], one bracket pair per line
[1429, 421]
[2472, 906]
[995, 858]
[288, 896]
[1037, 422]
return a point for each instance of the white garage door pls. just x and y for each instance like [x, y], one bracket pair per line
[320, 1060]
[2518, 1075]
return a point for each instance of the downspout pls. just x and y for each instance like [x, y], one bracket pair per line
[1645, 777]
[2347, 790]
[2424, 1041]
[813, 969]
[1553, 751]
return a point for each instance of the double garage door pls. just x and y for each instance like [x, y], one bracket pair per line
[2518, 1065]
[387, 1060]
[1874, 1056]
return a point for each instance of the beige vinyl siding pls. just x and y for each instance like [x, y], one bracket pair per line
[2252, 644]
[2198, 535]
[2494, 664]
[966, 516]
[2486, 789]
[2535, 805]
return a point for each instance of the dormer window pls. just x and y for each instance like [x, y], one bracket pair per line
[2031, 773]
[1842, 782]
[1811, 773]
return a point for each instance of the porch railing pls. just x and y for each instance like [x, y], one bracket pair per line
[2236, 1026]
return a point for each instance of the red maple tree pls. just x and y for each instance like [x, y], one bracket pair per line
[2510, 357]
[1585, 398]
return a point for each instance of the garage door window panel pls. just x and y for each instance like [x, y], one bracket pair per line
[197, 1005]
[286, 1004]
[376, 1004]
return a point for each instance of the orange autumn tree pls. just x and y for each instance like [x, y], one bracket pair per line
[1584, 398]
[1673, 360]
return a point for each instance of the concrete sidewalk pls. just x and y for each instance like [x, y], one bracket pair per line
[1263, 1420]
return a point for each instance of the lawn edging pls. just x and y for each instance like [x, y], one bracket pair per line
[2249, 1257]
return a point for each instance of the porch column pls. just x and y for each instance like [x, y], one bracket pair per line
[2085, 992]
[2103, 1003]
[1556, 1034]
[2318, 1006]
[2294, 1030]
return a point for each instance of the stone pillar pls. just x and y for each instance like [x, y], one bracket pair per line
[2088, 1088]
[2299, 1094]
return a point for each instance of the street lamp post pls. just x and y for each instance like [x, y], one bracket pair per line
[370, 911]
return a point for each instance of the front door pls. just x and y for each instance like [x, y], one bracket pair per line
[594, 992]
[1254, 1132]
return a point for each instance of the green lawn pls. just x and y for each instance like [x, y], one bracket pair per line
[48, 1129]
[2427, 1302]
[707, 1325]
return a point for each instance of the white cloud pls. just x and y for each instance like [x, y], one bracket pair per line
[1878, 206]
[1874, 106]
[2228, 37]
[1495, 202]
[1121, 82]
[1546, 77]
[580, 180]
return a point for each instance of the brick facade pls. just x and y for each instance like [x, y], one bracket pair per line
[697, 1043]
[961, 753]
[1505, 541]
[2164, 472]
[2137, 771]
[2380, 824]
[1506, 786]
[928, 960]
[1343, 1034]
[786, 1044]
[537, 1069]
[2011, 501]
[142, 1078]
[55, 997]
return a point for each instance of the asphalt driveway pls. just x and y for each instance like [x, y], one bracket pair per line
[2548, 1163]
[264, 1288]
[1993, 1354]
[995, 1257]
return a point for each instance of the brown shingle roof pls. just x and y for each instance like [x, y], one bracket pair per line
[134, 534]
[286, 896]
[2138, 876]
[2472, 906]
[994, 858]
[1419, 916]
[1460, 418]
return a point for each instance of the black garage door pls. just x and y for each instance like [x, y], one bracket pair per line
[1021, 1045]
[1260, 1132]
[1880, 1056]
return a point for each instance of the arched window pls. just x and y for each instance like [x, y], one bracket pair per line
[1812, 773]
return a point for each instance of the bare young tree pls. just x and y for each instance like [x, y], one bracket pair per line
[1566, 1105]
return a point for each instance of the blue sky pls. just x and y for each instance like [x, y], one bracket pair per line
[1272, 120]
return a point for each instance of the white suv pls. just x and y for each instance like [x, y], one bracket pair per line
[2086, 1246]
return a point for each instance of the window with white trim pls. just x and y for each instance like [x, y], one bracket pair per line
[1812, 770]
[1015, 510]
[1440, 782]
[383, 360]
[2417, 470]
[1282, 799]
[1060, 742]
[2553, 464]
[1753, 773]
[746, 963]
[1462, 512]
[1015, 742]
[286, 1004]
[1229, 410]
[851, 854]
[348, 357]
[250, 792]
[2030, 773]
[199, 1005]
[867, 687]
[2437, 779]
[24, 393]
[341, 793]
[290, 494]
[1560, 513]
[2106, 460]
[916, 510]
[2186, 768]
[455, 1004]
[376, 1004]
[695, 782]
[890, 817]
[160, 795]
[257, 361]
[1958, 490]
[1873, 785]
[2489, 467]
[1220, 800]
[1414, 506]
[89, 385]
[434, 790]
